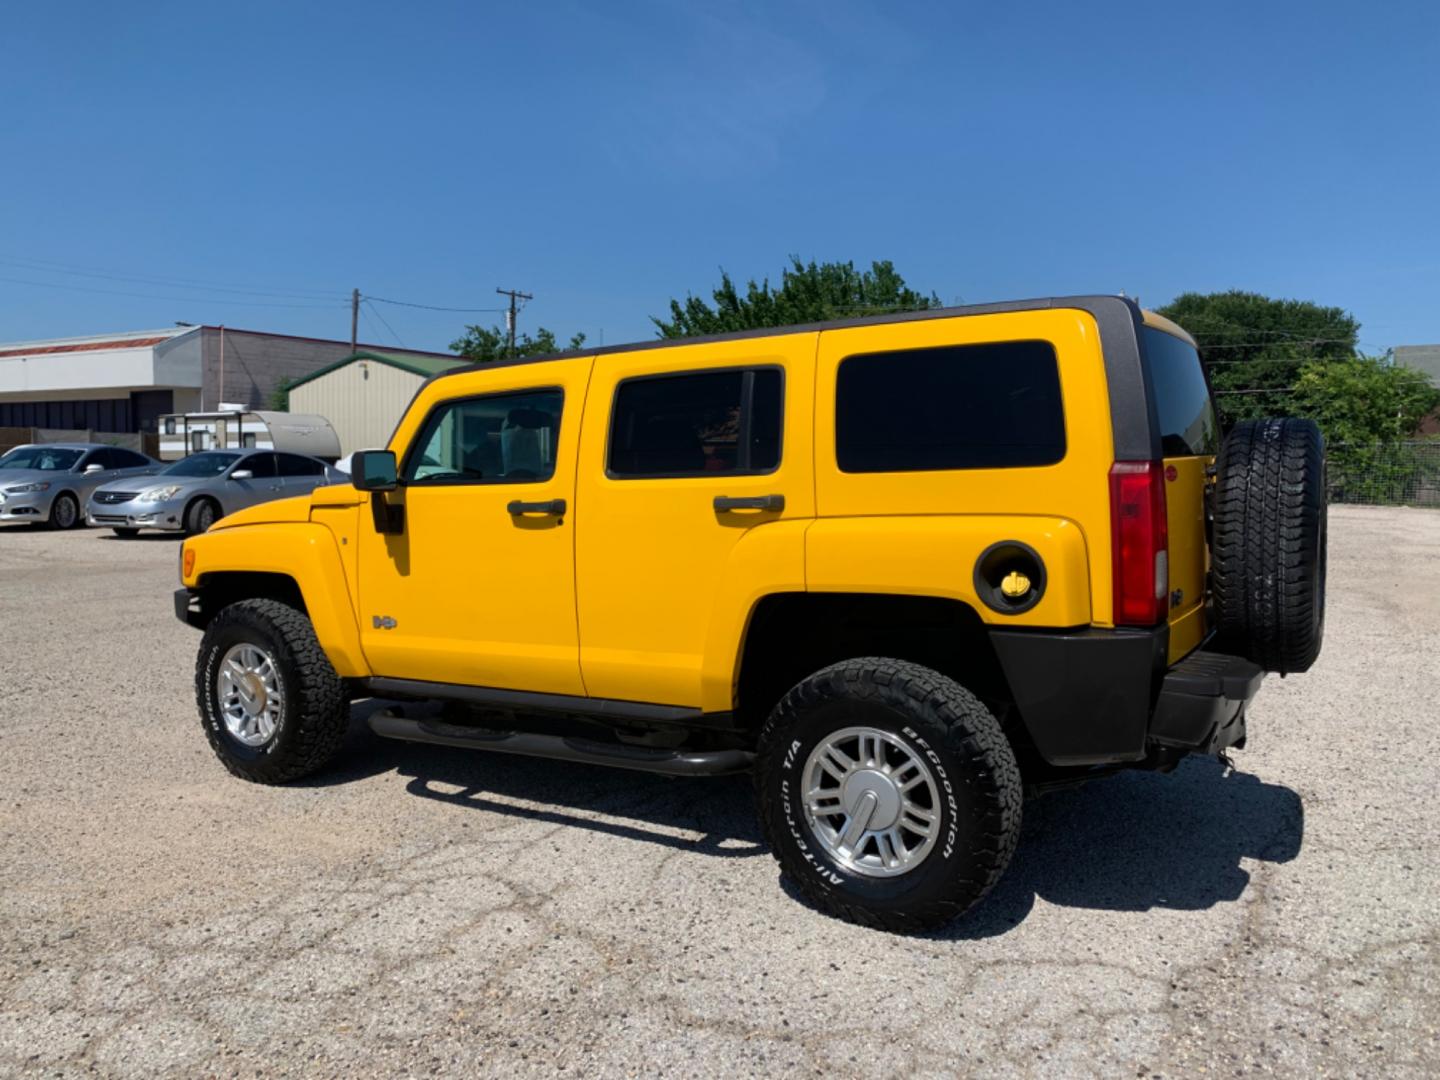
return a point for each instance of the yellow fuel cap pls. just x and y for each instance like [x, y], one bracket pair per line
[1015, 584]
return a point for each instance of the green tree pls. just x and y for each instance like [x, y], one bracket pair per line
[1364, 405]
[1254, 347]
[482, 343]
[280, 395]
[808, 292]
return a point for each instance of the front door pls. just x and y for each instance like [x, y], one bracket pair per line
[695, 489]
[478, 585]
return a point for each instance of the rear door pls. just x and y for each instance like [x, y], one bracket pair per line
[695, 477]
[1189, 440]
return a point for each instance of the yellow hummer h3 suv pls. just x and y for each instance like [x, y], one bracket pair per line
[907, 569]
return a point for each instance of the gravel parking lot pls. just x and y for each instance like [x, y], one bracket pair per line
[426, 911]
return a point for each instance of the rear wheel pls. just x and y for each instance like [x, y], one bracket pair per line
[64, 511]
[888, 793]
[272, 705]
[1269, 545]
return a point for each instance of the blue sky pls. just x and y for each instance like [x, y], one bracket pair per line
[608, 156]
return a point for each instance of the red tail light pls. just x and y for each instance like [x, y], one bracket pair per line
[1139, 542]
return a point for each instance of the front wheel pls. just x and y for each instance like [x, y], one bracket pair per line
[200, 516]
[64, 511]
[273, 707]
[888, 793]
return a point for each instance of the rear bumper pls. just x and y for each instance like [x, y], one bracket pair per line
[1105, 697]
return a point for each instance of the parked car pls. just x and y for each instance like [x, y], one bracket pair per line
[191, 495]
[49, 482]
[907, 568]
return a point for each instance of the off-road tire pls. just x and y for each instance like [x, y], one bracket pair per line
[73, 519]
[200, 515]
[315, 713]
[973, 762]
[1268, 550]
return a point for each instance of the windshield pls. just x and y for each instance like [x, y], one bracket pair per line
[46, 458]
[200, 465]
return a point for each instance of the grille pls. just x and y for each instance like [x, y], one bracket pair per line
[113, 498]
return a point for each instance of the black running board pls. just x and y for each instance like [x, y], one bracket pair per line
[390, 725]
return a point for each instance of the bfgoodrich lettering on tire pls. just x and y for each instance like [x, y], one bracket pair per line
[272, 706]
[888, 793]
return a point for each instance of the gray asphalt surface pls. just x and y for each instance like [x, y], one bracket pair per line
[422, 911]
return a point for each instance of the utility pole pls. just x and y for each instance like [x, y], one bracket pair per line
[354, 317]
[514, 295]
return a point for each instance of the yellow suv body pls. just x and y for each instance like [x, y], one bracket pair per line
[640, 555]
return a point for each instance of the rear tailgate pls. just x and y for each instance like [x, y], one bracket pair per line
[1189, 439]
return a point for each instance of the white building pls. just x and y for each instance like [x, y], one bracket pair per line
[126, 382]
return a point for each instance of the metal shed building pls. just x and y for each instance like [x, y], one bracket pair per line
[365, 394]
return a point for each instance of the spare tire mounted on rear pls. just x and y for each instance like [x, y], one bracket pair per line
[1268, 552]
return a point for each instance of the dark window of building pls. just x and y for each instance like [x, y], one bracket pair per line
[247, 439]
[198, 439]
[697, 424]
[989, 406]
[298, 465]
[1182, 397]
[169, 425]
[496, 439]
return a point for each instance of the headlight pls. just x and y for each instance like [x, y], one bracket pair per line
[39, 485]
[158, 494]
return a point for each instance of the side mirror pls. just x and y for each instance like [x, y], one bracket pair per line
[242, 474]
[94, 468]
[373, 470]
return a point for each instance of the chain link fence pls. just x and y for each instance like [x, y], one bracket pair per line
[1385, 474]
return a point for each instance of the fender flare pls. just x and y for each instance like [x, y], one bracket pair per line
[307, 554]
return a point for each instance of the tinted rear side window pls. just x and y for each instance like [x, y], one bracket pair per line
[1182, 398]
[697, 423]
[988, 406]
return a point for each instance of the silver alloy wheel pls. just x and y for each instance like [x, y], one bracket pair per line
[871, 802]
[64, 512]
[250, 694]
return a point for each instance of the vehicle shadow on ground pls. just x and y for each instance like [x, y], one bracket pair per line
[1139, 841]
[1133, 842]
[710, 815]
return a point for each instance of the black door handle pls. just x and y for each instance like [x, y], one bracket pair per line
[749, 502]
[550, 506]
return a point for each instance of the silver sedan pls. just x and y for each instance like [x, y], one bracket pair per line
[49, 482]
[195, 492]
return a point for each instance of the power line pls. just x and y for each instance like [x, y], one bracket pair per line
[48, 267]
[369, 323]
[435, 307]
[153, 296]
[386, 323]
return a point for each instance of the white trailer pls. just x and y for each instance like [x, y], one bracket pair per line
[236, 428]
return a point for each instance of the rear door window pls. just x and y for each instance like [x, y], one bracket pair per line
[1182, 397]
[696, 424]
[985, 406]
